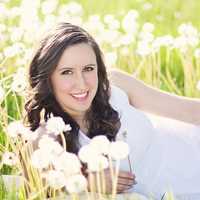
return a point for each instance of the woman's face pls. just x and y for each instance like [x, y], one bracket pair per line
[75, 79]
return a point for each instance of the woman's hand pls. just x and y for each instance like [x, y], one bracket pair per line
[126, 180]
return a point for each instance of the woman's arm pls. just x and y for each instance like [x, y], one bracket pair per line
[156, 101]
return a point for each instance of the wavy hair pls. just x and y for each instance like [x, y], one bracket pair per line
[101, 118]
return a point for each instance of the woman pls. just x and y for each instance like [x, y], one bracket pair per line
[68, 78]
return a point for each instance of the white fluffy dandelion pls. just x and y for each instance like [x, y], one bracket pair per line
[68, 163]
[55, 179]
[56, 125]
[99, 163]
[76, 184]
[101, 144]
[41, 159]
[9, 158]
[87, 153]
[17, 129]
[119, 150]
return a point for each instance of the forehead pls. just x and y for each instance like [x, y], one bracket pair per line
[77, 55]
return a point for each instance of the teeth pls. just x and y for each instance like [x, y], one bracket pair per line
[80, 95]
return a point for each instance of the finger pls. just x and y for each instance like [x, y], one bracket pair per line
[126, 181]
[123, 189]
[125, 184]
[126, 175]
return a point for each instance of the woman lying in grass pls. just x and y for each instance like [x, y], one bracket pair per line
[68, 78]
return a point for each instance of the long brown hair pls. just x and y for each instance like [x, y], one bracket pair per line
[101, 117]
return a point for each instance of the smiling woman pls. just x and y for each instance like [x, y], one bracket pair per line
[68, 78]
[75, 80]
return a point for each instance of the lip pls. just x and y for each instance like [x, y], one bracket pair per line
[80, 96]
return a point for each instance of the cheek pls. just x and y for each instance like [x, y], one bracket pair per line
[92, 80]
[62, 86]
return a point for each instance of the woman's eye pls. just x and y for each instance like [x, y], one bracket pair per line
[66, 72]
[88, 69]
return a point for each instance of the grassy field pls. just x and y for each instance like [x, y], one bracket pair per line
[157, 41]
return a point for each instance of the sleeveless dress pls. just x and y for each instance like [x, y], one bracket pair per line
[164, 154]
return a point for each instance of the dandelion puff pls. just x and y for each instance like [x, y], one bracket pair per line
[87, 153]
[148, 27]
[9, 158]
[98, 164]
[19, 83]
[41, 159]
[68, 163]
[101, 144]
[50, 146]
[56, 125]
[76, 184]
[119, 150]
[17, 129]
[111, 58]
[55, 179]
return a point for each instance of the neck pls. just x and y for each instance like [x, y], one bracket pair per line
[82, 123]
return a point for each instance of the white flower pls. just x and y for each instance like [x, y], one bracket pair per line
[50, 146]
[68, 163]
[197, 53]
[2, 94]
[17, 129]
[198, 85]
[129, 23]
[87, 153]
[56, 179]
[148, 27]
[101, 144]
[119, 150]
[110, 59]
[187, 30]
[113, 23]
[13, 50]
[146, 37]
[48, 7]
[17, 34]
[72, 9]
[19, 83]
[41, 159]
[166, 40]
[9, 158]
[99, 163]
[147, 6]
[144, 49]
[76, 184]
[56, 125]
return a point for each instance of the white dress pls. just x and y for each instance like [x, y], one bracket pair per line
[164, 155]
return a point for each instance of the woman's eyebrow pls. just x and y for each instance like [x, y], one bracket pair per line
[71, 68]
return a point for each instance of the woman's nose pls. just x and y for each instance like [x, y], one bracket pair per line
[80, 81]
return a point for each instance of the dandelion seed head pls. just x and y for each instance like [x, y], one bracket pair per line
[119, 150]
[76, 184]
[9, 158]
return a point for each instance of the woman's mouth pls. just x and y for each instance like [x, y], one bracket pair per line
[80, 96]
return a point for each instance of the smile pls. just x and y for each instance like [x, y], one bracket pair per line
[80, 96]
